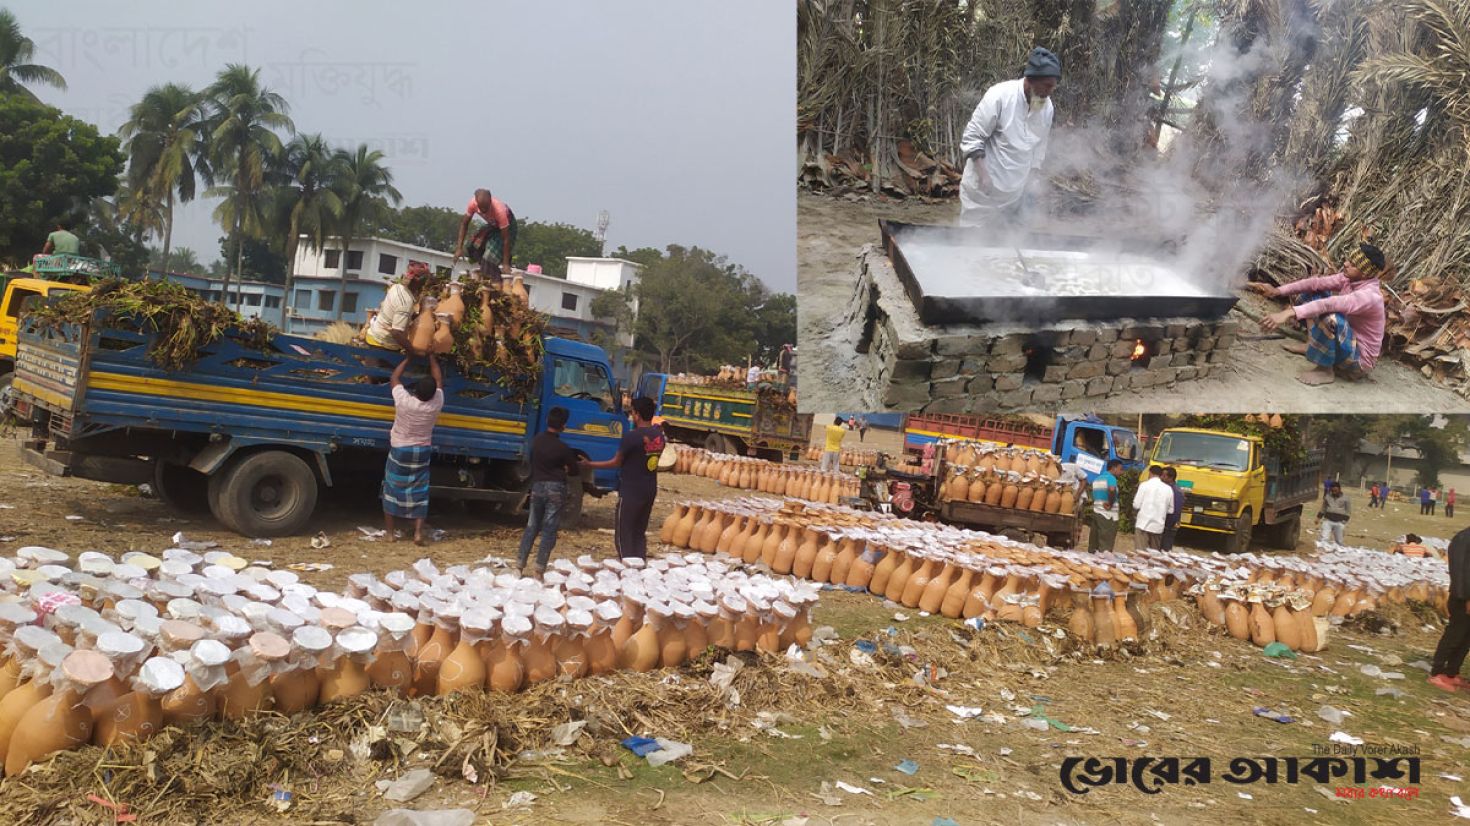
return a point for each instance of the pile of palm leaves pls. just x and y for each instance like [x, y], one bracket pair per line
[1286, 442]
[180, 323]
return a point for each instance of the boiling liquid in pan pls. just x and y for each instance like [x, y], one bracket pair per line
[964, 270]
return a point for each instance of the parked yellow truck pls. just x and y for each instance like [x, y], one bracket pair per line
[16, 292]
[1234, 485]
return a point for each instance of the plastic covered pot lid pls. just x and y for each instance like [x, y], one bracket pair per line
[476, 619]
[609, 611]
[357, 640]
[579, 619]
[75, 614]
[183, 608]
[264, 593]
[147, 562]
[354, 605]
[34, 637]
[87, 667]
[159, 675]
[126, 571]
[14, 614]
[232, 627]
[95, 627]
[53, 572]
[179, 633]
[580, 603]
[397, 624]
[97, 564]
[548, 619]
[284, 620]
[210, 653]
[119, 644]
[395, 578]
[515, 625]
[41, 555]
[281, 578]
[337, 618]
[222, 572]
[312, 638]
[173, 568]
[269, 645]
[405, 602]
[183, 555]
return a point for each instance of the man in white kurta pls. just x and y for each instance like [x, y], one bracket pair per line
[1005, 141]
[1152, 503]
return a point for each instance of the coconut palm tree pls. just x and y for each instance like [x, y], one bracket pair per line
[15, 51]
[366, 190]
[163, 143]
[241, 125]
[309, 203]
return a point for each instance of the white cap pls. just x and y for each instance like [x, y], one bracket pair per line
[231, 627]
[396, 624]
[356, 640]
[160, 675]
[174, 568]
[15, 614]
[476, 619]
[92, 562]
[283, 619]
[609, 611]
[515, 625]
[210, 652]
[579, 619]
[282, 578]
[39, 555]
[312, 638]
[117, 644]
[183, 608]
[547, 619]
[34, 637]
[183, 555]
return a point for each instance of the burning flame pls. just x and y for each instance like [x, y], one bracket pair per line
[1139, 350]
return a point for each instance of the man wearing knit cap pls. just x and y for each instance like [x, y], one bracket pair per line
[1343, 313]
[1006, 139]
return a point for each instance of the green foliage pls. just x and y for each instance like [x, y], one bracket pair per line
[16, 71]
[1438, 440]
[774, 325]
[1127, 486]
[180, 259]
[550, 244]
[51, 168]
[260, 260]
[1286, 442]
[616, 308]
[423, 226]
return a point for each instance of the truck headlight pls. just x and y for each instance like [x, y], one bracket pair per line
[1226, 505]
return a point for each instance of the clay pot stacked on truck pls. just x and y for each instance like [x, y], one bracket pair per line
[113, 650]
[746, 473]
[848, 457]
[441, 312]
[1020, 478]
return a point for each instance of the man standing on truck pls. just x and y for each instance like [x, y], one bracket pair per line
[1334, 514]
[389, 328]
[491, 244]
[637, 459]
[406, 476]
[62, 242]
[1152, 504]
[1454, 645]
[832, 449]
[1171, 523]
[1103, 524]
[551, 461]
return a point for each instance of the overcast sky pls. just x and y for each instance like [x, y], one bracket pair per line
[675, 116]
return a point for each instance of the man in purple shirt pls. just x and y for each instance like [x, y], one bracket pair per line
[1344, 316]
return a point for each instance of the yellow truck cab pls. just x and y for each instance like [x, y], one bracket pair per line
[1233, 484]
[16, 292]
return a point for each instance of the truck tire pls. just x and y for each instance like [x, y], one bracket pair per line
[266, 494]
[184, 489]
[714, 443]
[1287, 533]
[571, 512]
[5, 398]
[1240, 541]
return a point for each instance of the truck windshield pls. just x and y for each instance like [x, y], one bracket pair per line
[583, 380]
[1203, 450]
[1125, 445]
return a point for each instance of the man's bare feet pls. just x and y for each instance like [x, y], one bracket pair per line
[419, 541]
[1298, 347]
[1317, 376]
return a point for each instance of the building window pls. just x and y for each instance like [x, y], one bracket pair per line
[569, 301]
[349, 302]
[332, 260]
[387, 264]
[326, 299]
[443, 272]
[252, 300]
[303, 299]
[354, 260]
[272, 302]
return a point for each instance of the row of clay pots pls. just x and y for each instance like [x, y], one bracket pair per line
[747, 473]
[1004, 489]
[986, 457]
[847, 457]
[115, 650]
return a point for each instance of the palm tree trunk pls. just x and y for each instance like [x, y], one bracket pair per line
[292, 241]
[224, 296]
[168, 230]
[346, 245]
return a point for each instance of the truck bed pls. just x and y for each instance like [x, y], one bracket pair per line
[737, 412]
[95, 378]
[923, 428]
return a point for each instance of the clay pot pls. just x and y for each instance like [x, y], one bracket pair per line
[59, 721]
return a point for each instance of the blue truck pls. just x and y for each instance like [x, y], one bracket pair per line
[255, 431]
[1081, 440]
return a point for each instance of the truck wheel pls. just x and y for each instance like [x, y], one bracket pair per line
[1239, 541]
[5, 398]
[272, 493]
[714, 443]
[571, 512]
[1287, 533]
[184, 489]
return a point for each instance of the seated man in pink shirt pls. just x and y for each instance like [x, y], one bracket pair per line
[1344, 316]
[491, 244]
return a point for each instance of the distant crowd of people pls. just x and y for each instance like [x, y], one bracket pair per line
[1429, 499]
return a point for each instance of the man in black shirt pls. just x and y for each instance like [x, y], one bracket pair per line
[551, 461]
[1449, 657]
[637, 460]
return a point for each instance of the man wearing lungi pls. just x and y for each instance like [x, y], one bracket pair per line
[406, 477]
[491, 245]
[1344, 316]
[637, 461]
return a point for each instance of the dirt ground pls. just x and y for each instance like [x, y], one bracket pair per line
[1189, 694]
[831, 232]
